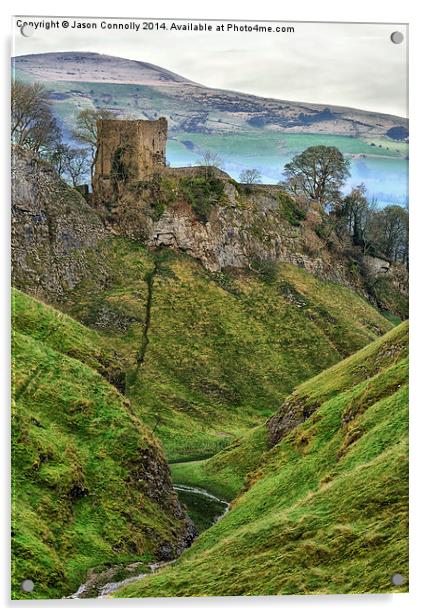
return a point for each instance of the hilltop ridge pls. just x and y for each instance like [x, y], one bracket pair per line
[188, 105]
[95, 67]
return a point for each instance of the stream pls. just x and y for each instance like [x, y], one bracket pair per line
[204, 508]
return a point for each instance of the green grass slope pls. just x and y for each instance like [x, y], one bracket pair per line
[209, 356]
[90, 485]
[327, 509]
[224, 474]
[65, 335]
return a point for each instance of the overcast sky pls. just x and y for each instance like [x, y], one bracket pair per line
[354, 65]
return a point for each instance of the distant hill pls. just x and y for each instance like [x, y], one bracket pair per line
[210, 110]
[94, 67]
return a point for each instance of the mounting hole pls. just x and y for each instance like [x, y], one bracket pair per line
[27, 586]
[27, 30]
[397, 37]
[397, 579]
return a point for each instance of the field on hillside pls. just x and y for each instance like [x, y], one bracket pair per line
[220, 352]
[382, 167]
[326, 510]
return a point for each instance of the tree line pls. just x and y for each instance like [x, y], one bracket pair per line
[317, 175]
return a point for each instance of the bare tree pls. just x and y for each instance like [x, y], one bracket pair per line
[250, 176]
[210, 159]
[383, 232]
[71, 164]
[77, 165]
[33, 123]
[57, 157]
[356, 211]
[86, 131]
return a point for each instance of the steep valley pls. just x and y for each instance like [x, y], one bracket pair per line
[217, 354]
[136, 346]
[325, 506]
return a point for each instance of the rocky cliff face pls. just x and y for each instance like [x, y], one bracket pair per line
[226, 225]
[58, 239]
[223, 224]
[245, 227]
[54, 231]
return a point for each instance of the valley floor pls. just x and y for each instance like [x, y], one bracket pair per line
[326, 510]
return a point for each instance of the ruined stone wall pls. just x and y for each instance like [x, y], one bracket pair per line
[128, 151]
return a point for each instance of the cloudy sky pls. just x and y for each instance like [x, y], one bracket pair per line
[354, 65]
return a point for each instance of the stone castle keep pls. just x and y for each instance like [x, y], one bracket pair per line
[128, 151]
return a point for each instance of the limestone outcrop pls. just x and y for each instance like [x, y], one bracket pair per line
[54, 231]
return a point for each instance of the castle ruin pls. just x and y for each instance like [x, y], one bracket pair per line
[127, 151]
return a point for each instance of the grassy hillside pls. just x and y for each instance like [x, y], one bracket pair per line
[90, 484]
[63, 334]
[209, 356]
[225, 473]
[326, 511]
